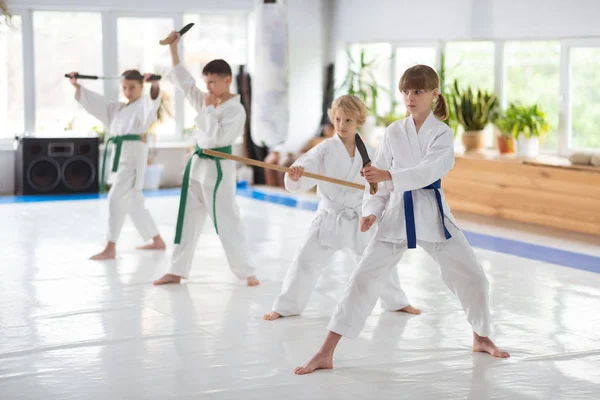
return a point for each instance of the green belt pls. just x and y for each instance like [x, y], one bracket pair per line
[118, 141]
[185, 184]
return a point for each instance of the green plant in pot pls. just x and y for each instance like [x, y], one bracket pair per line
[360, 81]
[473, 112]
[505, 138]
[526, 123]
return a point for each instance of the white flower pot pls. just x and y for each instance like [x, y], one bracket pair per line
[528, 147]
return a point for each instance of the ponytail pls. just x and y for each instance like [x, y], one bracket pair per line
[441, 108]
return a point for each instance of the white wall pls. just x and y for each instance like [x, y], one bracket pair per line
[306, 69]
[544, 19]
[432, 20]
[137, 5]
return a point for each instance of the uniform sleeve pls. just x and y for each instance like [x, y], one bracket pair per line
[312, 161]
[183, 80]
[223, 125]
[97, 105]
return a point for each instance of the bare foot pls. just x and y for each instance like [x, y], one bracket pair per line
[109, 253]
[410, 310]
[319, 361]
[270, 316]
[105, 255]
[157, 244]
[485, 345]
[168, 278]
[252, 281]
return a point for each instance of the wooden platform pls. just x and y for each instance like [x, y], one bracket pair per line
[542, 192]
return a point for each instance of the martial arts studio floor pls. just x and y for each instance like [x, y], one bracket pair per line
[71, 328]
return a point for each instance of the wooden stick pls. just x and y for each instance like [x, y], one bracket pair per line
[261, 164]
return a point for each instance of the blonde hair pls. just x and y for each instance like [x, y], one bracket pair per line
[351, 105]
[422, 77]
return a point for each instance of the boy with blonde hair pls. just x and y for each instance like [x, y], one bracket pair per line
[336, 225]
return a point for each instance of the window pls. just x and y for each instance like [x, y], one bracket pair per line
[138, 48]
[471, 64]
[12, 102]
[213, 36]
[64, 42]
[407, 57]
[533, 76]
[585, 96]
[377, 72]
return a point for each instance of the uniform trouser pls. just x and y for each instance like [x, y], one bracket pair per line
[301, 278]
[460, 270]
[126, 198]
[231, 230]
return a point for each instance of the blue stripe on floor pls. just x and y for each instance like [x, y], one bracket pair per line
[534, 251]
[507, 246]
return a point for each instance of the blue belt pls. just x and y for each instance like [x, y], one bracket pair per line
[409, 213]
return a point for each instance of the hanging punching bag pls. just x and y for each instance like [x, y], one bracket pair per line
[270, 113]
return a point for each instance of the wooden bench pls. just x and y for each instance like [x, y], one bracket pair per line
[547, 192]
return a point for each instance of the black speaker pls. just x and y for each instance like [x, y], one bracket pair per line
[57, 165]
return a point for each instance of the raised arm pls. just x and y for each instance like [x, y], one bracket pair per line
[182, 79]
[94, 103]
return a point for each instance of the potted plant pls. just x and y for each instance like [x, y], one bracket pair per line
[527, 124]
[473, 112]
[505, 138]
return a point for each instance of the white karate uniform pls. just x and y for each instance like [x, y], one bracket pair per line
[125, 195]
[335, 227]
[217, 127]
[414, 161]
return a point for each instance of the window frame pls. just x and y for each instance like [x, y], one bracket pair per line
[109, 18]
[565, 128]
[112, 31]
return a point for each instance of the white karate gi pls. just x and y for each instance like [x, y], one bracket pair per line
[125, 195]
[217, 127]
[414, 161]
[335, 227]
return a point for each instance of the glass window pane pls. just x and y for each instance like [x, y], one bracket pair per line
[471, 64]
[12, 103]
[407, 57]
[64, 42]
[378, 73]
[585, 97]
[138, 48]
[214, 36]
[533, 76]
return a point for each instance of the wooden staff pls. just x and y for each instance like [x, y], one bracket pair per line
[261, 164]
